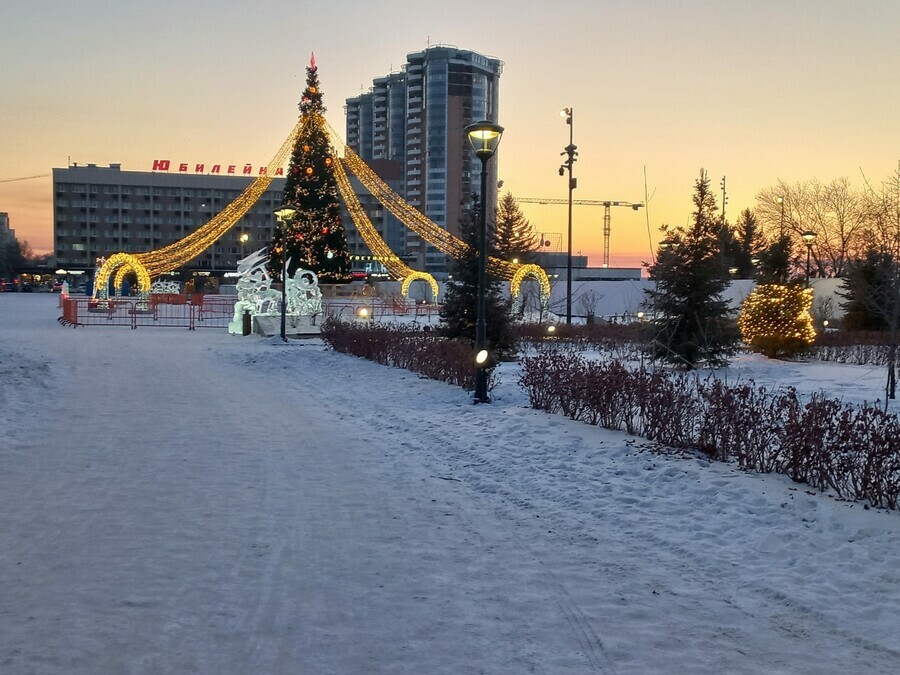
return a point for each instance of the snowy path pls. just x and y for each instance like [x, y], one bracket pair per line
[674, 561]
[357, 519]
[166, 532]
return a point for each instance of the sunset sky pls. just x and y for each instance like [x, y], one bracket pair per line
[755, 91]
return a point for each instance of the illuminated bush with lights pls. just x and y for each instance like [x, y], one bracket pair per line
[775, 320]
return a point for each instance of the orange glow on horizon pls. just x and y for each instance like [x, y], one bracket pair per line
[652, 98]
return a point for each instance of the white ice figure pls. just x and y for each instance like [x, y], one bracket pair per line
[304, 296]
[172, 287]
[256, 295]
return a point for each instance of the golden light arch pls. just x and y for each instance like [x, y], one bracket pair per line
[416, 276]
[122, 264]
[531, 270]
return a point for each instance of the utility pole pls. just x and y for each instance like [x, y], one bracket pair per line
[724, 200]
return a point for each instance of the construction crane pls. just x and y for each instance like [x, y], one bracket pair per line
[605, 203]
[16, 180]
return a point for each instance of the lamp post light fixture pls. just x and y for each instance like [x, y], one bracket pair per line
[809, 238]
[570, 152]
[244, 238]
[283, 216]
[484, 137]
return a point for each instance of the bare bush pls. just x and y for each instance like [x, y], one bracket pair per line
[408, 347]
[852, 450]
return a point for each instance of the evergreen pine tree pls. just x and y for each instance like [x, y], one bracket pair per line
[313, 238]
[460, 310]
[693, 322]
[748, 244]
[514, 237]
[871, 295]
[776, 262]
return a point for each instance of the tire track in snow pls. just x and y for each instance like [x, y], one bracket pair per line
[386, 421]
[482, 473]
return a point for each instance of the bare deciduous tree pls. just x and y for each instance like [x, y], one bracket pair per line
[837, 213]
[587, 302]
[873, 281]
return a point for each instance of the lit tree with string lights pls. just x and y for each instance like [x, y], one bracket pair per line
[313, 237]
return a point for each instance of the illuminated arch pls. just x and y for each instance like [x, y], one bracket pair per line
[121, 264]
[534, 271]
[121, 273]
[415, 276]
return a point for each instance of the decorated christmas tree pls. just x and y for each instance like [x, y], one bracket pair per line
[775, 319]
[312, 237]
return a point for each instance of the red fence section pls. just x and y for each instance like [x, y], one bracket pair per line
[165, 310]
[173, 310]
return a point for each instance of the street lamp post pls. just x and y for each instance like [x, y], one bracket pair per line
[809, 237]
[484, 137]
[283, 216]
[570, 153]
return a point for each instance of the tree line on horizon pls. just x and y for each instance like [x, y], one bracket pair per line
[15, 255]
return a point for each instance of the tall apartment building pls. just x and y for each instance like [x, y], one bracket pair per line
[416, 118]
[5, 229]
[98, 211]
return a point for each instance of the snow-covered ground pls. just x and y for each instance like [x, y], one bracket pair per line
[196, 502]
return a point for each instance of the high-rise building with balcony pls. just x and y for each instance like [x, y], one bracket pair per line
[416, 117]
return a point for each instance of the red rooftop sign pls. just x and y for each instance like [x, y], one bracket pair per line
[229, 169]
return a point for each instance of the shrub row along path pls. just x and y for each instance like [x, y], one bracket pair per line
[181, 502]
